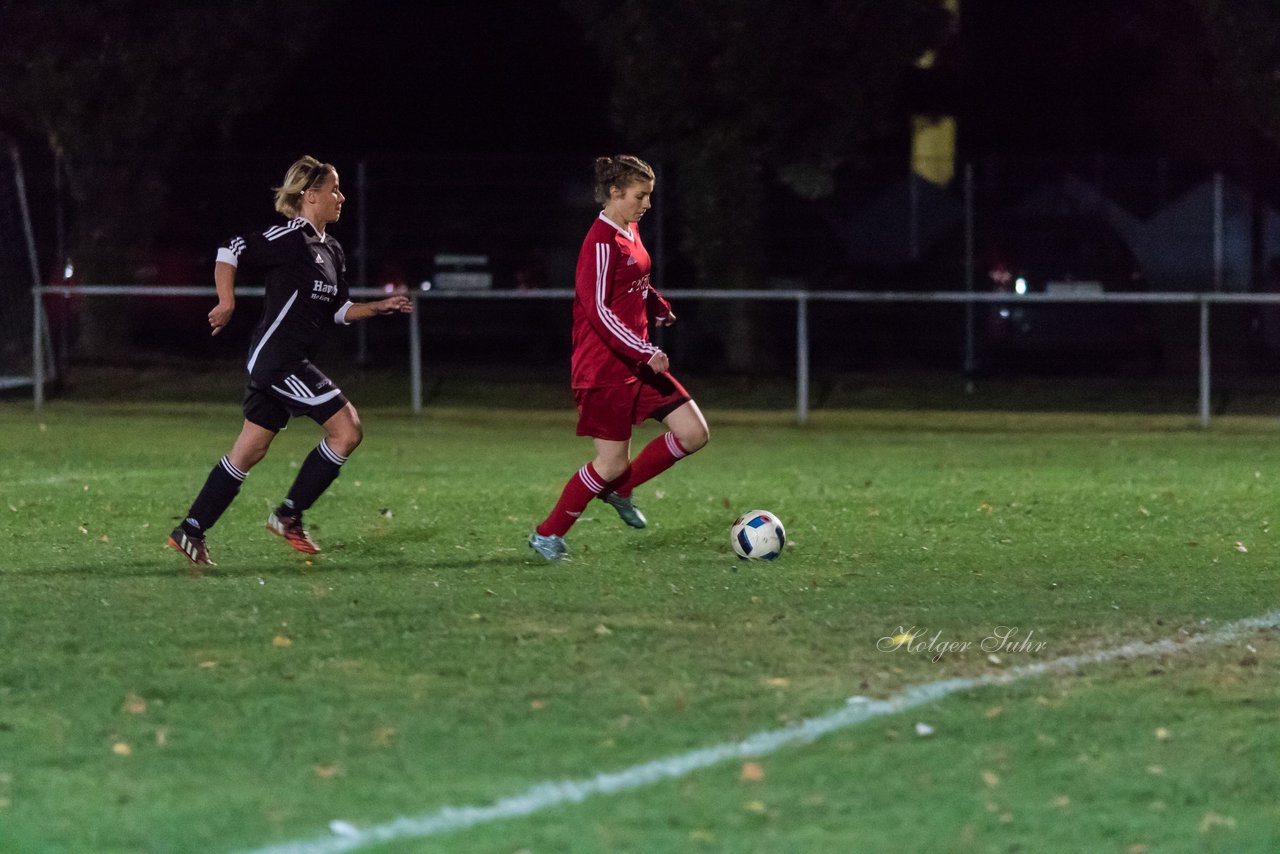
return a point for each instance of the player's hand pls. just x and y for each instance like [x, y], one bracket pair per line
[392, 305]
[220, 316]
[659, 362]
[669, 319]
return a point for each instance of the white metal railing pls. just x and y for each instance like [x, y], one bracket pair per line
[801, 298]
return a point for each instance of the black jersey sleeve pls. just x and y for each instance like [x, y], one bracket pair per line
[344, 291]
[265, 249]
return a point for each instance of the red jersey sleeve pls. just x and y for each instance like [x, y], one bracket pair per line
[657, 305]
[595, 286]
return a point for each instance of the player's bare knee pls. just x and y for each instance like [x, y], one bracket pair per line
[693, 440]
[610, 469]
[345, 441]
[344, 435]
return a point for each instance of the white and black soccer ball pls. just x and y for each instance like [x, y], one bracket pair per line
[758, 535]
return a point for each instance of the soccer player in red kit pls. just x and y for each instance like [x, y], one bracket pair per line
[620, 378]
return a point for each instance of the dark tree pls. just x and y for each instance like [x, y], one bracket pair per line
[120, 89]
[733, 94]
[1244, 38]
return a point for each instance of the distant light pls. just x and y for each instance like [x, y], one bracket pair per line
[1004, 312]
[1020, 285]
[68, 271]
[426, 286]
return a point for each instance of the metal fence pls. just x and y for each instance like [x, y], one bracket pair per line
[805, 302]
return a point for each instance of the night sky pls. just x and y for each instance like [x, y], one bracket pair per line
[475, 77]
[505, 76]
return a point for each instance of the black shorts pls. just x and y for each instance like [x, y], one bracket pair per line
[272, 398]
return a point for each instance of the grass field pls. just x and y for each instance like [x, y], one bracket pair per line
[428, 659]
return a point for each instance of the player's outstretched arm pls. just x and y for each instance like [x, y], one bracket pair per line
[391, 305]
[224, 281]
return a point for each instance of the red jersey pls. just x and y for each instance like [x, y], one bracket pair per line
[611, 307]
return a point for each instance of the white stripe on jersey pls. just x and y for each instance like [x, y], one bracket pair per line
[272, 328]
[625, 232]
[340, 316]
[611, 321]
[281, 230]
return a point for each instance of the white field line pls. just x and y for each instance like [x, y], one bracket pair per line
[542, 796]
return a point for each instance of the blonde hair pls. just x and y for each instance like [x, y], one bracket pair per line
[620, 171]
[305, 173]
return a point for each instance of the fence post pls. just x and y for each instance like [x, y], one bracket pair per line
[415, 355]
[802, 358]
[362, 257]
[968, 276]
[1219, 206]
[37, 347]
[1204, 361]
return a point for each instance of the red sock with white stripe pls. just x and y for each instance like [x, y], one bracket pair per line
[578, 492]
[658, 456]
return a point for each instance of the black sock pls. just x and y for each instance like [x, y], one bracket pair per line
[220, 489]
[321, 467]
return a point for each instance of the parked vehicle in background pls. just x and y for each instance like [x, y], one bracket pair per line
[1066, 255]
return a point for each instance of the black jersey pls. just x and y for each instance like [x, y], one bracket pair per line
[306, 291]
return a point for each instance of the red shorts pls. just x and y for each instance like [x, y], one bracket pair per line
[610, 411]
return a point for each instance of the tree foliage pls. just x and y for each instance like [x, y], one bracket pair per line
[119, 89]
[1244, 37]
[734, 94]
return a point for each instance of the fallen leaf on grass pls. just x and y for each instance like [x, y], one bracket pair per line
[1240, 547]
[1212, 820]
[751, 772]
[281, 640]
[121, 749]
[603, 630]
[207, 665]
[326, 772]
[537, 705]
[777, 682]
[162, 736]
[1162, 733]
[991, 778]
[134, 705]
[756, 807]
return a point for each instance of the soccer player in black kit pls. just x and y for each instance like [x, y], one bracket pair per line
[304, 270]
